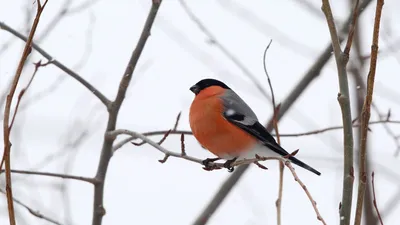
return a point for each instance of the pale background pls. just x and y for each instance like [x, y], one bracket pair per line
[97, 41]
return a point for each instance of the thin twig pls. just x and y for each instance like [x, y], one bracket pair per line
[32, 211]
[337, 128]
[6, 122]
[266, 73]
[63, 176]
[344, 102]
[374, 201]
[366, 113]
[106, 151]
[278, 202]
[160, 142]
[178, 117]
[313, 203]
[166, 133]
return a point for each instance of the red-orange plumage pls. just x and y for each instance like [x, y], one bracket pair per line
[212, 130]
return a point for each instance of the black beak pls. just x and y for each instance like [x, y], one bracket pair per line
[195, 89]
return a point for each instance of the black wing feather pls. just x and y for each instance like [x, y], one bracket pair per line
[258, 131]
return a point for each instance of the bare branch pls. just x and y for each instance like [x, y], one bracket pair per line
[115, 133]
[213, 165]
[63, 176]
[178, 117]
[165, 133]
[160, 142]
[366, 113]
[344, 102]
[107, 148]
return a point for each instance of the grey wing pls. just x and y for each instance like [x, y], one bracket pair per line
[233, 104]
[240, 114]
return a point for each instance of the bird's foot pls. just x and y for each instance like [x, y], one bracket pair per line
[207, 162]
[228, 164]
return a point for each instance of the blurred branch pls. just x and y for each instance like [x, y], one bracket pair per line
[6, 122]
[240, 10]
[373, 193]
[58, 64]
[310, 7]
[106, 151]
[366, 112]
[63, 176]
[215, 42]
[35, 213]
[82, 6]
[344, 102]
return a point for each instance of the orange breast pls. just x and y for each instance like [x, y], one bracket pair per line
[214, 132]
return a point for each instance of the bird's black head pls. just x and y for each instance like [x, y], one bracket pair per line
[205, 83]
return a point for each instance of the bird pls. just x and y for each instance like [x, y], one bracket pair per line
[225, 125]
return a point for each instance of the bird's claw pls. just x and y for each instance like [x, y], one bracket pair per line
[228, 165]
[206, 163]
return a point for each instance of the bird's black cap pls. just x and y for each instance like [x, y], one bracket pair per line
[205, 83]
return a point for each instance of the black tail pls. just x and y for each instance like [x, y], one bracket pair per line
[305, 166]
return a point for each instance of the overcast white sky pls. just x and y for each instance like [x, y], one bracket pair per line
[140, 190]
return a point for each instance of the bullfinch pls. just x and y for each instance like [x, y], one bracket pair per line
[226, 126]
